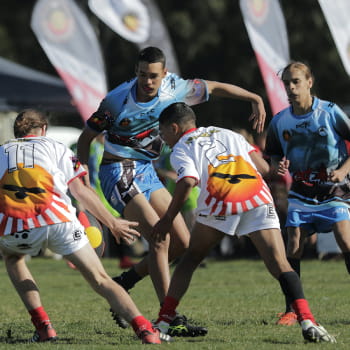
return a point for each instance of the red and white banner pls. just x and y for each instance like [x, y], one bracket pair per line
[337, 14]
[70, 43]
[138, 21]
[266, 28]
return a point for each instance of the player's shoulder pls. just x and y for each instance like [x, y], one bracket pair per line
[326, 105]
[281, 114]
[51, 143]
[121, 88]
[171, 82]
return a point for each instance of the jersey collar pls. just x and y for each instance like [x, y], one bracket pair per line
[189, 131]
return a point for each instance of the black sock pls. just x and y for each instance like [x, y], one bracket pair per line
[346, 256]
[128, 279]
[291, 287]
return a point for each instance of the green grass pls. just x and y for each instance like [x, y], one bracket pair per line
[237, 300]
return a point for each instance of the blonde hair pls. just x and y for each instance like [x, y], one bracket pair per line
[301, 66]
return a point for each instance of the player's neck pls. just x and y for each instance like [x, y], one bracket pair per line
[303, 107]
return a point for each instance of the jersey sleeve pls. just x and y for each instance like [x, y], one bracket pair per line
[197, 92]
[100, 120]
[183, 164]
[68, 163]
[341, 122]
[190, 91]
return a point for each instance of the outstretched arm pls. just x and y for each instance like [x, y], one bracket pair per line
[261, 164]
[182, 192]
[235, 92]
[83, 150]
[120, 228]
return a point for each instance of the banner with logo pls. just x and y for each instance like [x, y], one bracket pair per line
[70, 43]
[337, 14]
[267, 32]
[138, 21]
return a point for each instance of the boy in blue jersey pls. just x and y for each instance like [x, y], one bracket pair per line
[128, 116]
[309, 139]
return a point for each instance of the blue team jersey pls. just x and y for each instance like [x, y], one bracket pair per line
[315, 144]
[132, 127]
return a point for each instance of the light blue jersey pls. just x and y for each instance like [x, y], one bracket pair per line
[315, 144]
[132, 127]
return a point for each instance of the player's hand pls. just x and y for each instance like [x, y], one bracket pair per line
[258, 115]
[125, 230]
[283, 166]
[161, 229]
[337, 175]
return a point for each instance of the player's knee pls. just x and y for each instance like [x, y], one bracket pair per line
[100, 281]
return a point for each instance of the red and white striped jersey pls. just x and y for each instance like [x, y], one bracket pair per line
[219, 160]
[34, 175]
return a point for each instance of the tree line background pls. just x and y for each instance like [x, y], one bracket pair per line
[210, 41]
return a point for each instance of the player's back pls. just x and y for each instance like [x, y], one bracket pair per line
[219, 159]
[33, 184]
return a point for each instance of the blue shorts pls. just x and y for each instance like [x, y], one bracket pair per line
[317, 221]
[122, 181]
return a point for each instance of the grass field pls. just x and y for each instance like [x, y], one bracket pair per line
[237, 300]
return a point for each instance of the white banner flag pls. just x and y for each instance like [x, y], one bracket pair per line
[138, 21]
[128, 18]
[70, 43]
[337, 14]
[266, 28]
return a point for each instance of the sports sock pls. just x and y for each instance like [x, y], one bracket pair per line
[128, 279]
[295, 264]
[140, 323]
[168, 310]
[291, 287]
[301, 308]
[39, 317]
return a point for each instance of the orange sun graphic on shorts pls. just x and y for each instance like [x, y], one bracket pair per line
[26, 192]
[233, 182]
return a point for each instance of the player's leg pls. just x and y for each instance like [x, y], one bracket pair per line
[295, 248]
[90, 266]
[203, 240]
[179, 234]
[139, 209]
[270, 246]
[341, 231]
[24, 282]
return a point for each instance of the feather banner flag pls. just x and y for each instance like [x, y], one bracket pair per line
[337, 14]
[266, 29]
[70, 43]
[137, 21]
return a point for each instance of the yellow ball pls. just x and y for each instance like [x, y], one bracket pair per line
[94, 235]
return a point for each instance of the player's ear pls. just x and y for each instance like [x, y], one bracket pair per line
[175, 128]
[43, 130]
[165, 71]
[310, 82]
